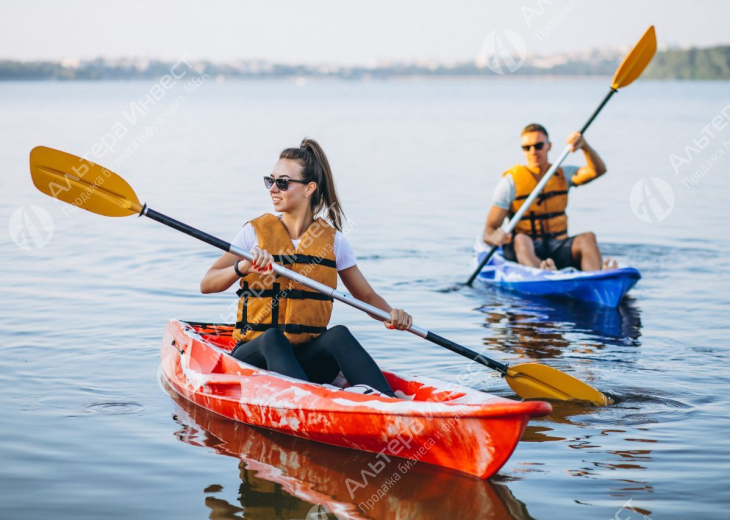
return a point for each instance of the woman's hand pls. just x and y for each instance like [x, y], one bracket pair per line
[399, 319]
[262, 260]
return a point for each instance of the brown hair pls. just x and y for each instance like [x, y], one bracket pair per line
[534, 127]
[316, 168]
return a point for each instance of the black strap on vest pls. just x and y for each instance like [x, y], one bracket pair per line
[291, 328]
[292, 294]
[543, 216]
[275, 309]
[305, 259]
[245, 294]
[544, 195]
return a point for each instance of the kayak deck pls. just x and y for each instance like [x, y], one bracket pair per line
[432, 421]
[600, 287]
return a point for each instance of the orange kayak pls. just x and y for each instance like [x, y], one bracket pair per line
[432, 421]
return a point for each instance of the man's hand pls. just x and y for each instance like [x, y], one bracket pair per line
[575, 141]
[498, 237]
[594, 167]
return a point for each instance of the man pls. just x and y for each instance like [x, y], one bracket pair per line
[540, 238]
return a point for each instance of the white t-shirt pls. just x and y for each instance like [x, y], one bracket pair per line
[505, 192]
[246, 239]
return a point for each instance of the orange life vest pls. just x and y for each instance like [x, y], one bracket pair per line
[267, 300]
[546, 216]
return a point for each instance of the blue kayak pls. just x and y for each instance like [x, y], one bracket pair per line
[600, 287]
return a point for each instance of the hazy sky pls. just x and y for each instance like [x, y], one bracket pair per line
[340, 31]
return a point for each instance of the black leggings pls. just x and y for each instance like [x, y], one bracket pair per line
[318, 361]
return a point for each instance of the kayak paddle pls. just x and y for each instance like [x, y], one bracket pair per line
[631, 68]
[92, 187]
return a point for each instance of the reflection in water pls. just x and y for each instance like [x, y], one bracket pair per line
[538, 431]
[535, 329]
[542, 329]
[283, 476]
[598, 444]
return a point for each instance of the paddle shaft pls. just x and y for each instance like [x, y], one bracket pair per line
[324, 289]
[538, 189]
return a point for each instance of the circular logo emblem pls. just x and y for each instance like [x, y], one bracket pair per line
[31, 227]
[502, 51]
[652, 199]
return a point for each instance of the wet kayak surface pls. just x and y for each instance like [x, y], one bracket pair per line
[90, 431]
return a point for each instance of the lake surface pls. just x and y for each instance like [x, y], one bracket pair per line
[89, 432]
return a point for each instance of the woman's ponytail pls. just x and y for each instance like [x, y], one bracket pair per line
[316, 168]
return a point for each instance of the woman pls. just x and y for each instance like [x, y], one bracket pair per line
[281, 325]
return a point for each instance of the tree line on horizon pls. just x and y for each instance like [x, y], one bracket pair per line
[708, 64]
[688, 64]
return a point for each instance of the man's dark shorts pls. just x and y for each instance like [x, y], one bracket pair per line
[559, 249]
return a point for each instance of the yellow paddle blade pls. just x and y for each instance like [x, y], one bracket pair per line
[636, 60]
[82, 183]
[535, 381]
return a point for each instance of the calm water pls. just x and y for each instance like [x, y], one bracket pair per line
[87, 431]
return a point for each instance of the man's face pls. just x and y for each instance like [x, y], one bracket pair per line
[535, 158]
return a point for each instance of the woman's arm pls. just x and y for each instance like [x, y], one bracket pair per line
[359, 287]
[222, 274]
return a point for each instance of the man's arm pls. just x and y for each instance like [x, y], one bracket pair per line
[502, 199]
[493, 234]
[594, 168]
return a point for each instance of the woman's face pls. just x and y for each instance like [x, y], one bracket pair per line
[297, 194]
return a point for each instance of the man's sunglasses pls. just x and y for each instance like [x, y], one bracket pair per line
[538, 146]
[282, 183]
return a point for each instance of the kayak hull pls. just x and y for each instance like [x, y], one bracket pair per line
[435, 422]
[599, 287]
[323, 475]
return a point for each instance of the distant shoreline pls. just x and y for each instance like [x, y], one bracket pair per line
[711, 64]
[394, 78]
[326, 79]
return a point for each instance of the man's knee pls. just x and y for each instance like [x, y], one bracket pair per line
[586, 239]
[522, 242]
[585, 242]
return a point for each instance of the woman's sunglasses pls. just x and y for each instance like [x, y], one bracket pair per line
[282, 183]
[538, 146]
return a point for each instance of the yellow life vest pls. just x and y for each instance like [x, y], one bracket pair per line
[546, 216]
[267, 300]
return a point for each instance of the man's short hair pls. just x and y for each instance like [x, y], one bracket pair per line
[534, 127]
